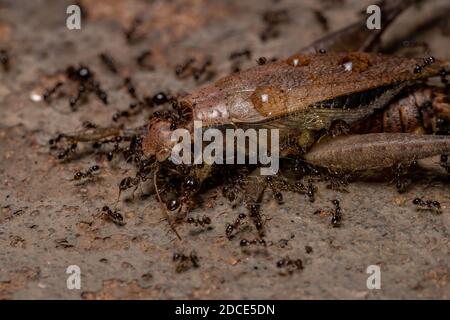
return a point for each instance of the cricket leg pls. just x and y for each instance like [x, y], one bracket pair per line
[375, 150]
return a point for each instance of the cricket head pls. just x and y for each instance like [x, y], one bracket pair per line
[157, 142]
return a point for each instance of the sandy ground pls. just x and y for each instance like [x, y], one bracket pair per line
[47, 222]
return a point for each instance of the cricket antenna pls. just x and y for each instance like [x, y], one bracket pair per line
[163, 207]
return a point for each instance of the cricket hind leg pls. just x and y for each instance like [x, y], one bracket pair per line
[376, 150]
[357, 37]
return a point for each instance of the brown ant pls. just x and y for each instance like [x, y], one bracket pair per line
[432, 205]
[87, 174]
[4, 60]
[289, 265]
[113, 216]
[184, 263]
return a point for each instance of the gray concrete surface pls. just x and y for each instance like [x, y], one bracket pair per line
[48, 223]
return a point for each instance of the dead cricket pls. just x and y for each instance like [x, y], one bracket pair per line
[339, 107]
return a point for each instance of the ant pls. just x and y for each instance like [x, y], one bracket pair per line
[322, 19]
[113, 216]
[49, 92]
[245, 242]
[87, 174]
[336, 214]
[230, 227]
[203, 221]
[65, 153]
[290, 265]
[142, 59]
[444, 163]
[200, 73]
[426, 62]
[432, 205]
[184, 263]
[261, 61]
[237, 57]
[273, 19]
[128, 83]
[86, 84]
[400, 173]
[4, 60]
[109, 62]
[131, 34]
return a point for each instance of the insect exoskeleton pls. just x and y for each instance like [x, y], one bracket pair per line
[302, 92]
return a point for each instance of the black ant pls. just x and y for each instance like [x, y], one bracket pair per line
[86, 84]
[260, 242]
[290, 265]
[49, 92]
[65, 153]
[131, 34]
[203, 73]
[444, 163]
[432, 205]
[400, 175]
[109, 62]
[261, 61]
[87, 174]
[273, 19]
[142, 59]
[237, 56]
[4, 60]
[117, 140]
[203, 221]
[113, 216]
[230, 227]
[337, 214]
[322, 19]
[184, 263]
[89, 125]
[199, 73]
[129, 182]
[128, 83]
